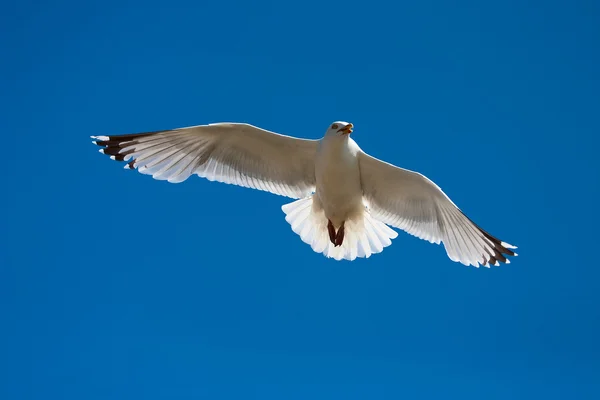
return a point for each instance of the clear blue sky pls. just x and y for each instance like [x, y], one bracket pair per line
[114, 285]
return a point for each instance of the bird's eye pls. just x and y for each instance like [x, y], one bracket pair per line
[334, 126]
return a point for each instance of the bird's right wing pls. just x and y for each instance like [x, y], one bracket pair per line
[239, 154]
[410, 201]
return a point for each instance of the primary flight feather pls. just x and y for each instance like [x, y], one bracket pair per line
[346, 198]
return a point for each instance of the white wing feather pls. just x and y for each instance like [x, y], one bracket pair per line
[239, 154]
[410, 201]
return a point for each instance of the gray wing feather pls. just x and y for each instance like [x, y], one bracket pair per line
[239, 154]
[410, 201]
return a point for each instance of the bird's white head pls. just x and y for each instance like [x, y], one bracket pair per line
[339, 128]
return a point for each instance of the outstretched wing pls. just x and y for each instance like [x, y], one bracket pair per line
[409, 201]
[238, 154]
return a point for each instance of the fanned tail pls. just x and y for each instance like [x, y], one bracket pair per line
[363, 235]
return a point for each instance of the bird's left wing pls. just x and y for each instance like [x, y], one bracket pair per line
[239, 154]
[410, 201]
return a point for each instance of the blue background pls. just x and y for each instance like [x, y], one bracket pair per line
[114, 285]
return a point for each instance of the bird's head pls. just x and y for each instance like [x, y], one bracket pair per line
[339, 128]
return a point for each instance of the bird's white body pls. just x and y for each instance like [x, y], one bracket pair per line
[337, 175]
[338, 199]
[338, 188]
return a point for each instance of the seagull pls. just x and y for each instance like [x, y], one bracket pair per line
[345, 199]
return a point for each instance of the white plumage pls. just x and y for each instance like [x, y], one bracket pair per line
[345, 196]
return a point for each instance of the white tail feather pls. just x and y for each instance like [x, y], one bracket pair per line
[363, 235]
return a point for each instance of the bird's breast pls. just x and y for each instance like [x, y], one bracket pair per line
[338, 181]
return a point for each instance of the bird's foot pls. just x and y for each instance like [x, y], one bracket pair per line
[339, 237]
[331, 230]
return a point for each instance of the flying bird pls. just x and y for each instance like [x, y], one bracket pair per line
[345, 198]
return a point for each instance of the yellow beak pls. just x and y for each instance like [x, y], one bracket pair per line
[346, 130]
